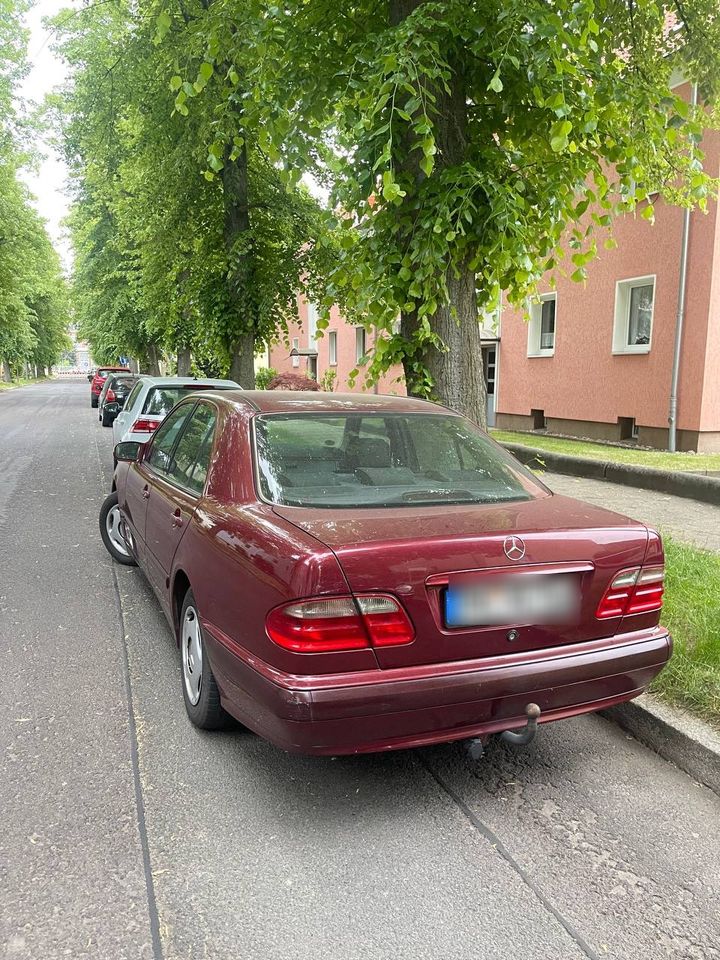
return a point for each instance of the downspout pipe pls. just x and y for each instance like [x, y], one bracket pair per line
[680, 316]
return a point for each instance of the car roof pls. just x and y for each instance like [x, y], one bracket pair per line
[307, 401]
[181, 381]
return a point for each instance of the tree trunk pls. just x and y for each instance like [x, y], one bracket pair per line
[153, 364]
[457, 371]
[183, 361]
[7, 373]
[240, 268]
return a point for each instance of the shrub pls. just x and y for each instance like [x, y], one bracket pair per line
[264, 376]
[327, 380]
[292, 381]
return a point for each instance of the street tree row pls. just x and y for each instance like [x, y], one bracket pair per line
[33, 297]
[465, 149]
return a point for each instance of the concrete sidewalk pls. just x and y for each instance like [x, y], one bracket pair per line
[685, 519]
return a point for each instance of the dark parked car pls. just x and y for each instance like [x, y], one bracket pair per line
[346, 573]
[113, 395]
[99, 378]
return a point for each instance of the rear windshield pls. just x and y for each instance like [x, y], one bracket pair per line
[393, 460]
[160, 400]
[123, 383]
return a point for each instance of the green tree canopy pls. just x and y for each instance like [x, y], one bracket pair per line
[33, 302]
[170, 255]
[469, 147]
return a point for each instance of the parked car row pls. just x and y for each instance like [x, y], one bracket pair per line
[348, 573]
[135, 405]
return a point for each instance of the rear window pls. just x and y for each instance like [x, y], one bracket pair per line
[393, 460]
[160, 400]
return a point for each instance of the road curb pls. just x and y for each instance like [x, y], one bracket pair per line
[689, 743]
[690, 485]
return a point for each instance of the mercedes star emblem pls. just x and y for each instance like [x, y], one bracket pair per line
[514, 548]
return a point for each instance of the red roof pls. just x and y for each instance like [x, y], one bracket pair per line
[302, 401]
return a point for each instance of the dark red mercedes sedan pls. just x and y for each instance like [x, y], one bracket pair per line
[348, 573]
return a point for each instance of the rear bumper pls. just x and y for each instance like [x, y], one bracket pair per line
[392, 709]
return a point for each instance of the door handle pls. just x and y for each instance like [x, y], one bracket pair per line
[177, 518]
[146, 492]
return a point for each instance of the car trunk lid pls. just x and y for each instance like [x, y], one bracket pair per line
[417, 553]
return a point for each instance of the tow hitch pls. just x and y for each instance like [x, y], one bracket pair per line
[521, 737]
[476, 745]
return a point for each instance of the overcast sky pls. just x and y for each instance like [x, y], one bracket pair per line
[48, 184]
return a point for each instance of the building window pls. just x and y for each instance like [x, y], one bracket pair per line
[359, 343]
[541, 329]
[634, 305]
[312, 317]
[332, 349]
[296, 346]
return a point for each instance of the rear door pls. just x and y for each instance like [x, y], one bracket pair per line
[142, 475]
[175, 484]
[127, 414]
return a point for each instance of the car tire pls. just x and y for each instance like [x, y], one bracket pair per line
[199, 687]
[106, 420]
[94, 401]
[115, 543]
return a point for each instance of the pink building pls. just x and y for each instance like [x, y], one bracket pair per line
[339, 350]
[594, 359]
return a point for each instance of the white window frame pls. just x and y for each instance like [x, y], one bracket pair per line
[491, 323]
[360, 336]
[621, 321]
[296, 346]
[535, 326]
[312, 319]
[332, 348]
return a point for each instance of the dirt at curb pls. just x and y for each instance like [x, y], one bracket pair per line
[678, 736]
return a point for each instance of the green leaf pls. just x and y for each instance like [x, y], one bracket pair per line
[162, 25]
[496, 83]
[427, 163]
[175, 82]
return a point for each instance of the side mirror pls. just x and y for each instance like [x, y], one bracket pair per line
[91, 377]
[128, 451]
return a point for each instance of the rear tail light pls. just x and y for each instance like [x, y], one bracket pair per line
[339, 623]
[110, 397]
[638, 590]
[145, 426]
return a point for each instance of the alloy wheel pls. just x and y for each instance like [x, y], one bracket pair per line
[192, 655]
[114, 527]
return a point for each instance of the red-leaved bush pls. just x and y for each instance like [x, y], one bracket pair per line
[292, 381]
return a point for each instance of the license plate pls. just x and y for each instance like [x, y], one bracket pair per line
[514, 600]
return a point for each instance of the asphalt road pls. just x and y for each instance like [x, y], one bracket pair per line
[127, 833]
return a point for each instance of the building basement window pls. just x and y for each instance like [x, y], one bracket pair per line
[634, 307]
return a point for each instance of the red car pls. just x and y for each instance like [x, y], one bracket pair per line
[97, 381]
[351, 573]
